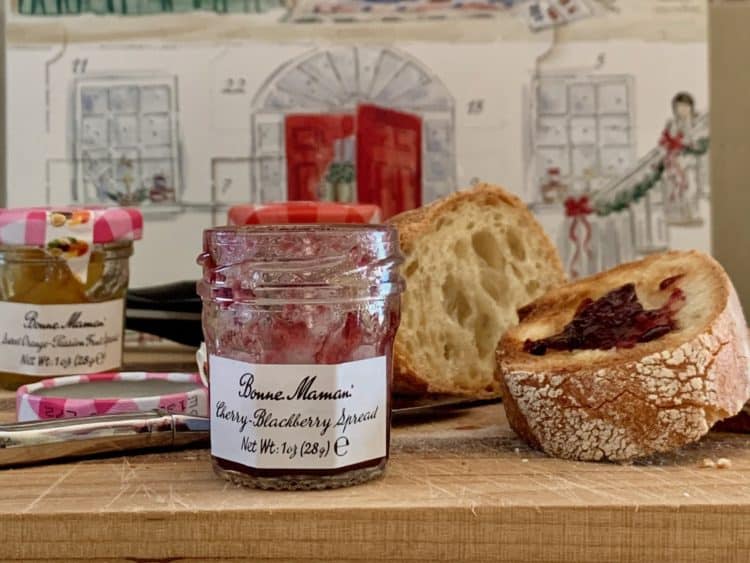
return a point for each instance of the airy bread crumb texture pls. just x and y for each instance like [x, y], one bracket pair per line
[465, 278]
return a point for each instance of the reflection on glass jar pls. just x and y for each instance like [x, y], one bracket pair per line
[299, 322]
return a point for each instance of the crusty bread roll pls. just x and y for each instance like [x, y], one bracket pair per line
[625, 403]
[472, 259]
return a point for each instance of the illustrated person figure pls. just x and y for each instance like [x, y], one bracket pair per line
[680, 181]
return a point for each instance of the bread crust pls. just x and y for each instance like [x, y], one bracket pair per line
[414, 224]
[655, 397]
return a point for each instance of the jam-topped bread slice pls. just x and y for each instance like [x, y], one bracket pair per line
[472, 259]
[641, 359]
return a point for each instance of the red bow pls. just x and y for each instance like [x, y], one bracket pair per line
[576, 207]
[672, 143]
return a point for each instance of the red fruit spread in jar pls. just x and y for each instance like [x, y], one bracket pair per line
[299, 322]
[616, 320]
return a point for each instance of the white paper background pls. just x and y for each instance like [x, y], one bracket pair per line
[489, 145]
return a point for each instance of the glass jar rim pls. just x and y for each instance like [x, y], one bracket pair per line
[300, 228]
[248, 242]
[115, 250]
[111, 244]
[332, 258]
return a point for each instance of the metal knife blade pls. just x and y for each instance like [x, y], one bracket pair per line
[26, 443]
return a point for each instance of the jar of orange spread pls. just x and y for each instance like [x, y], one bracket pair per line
[63, 278]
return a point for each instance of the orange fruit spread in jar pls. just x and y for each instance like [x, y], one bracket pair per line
[63, 281]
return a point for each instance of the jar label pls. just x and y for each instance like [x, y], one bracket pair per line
[298, 416]
[61, 339]
[70, 236]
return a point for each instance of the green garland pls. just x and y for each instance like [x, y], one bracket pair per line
[623, 200]
[699, 149]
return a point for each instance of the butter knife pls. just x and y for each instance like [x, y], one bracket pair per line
[38, 441]
[27, 443]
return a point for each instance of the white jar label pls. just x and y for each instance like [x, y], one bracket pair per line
[61, 339]
[298, 416]
[70, 235]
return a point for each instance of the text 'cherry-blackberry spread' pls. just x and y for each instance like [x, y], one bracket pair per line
[615, 320]
[299, 323]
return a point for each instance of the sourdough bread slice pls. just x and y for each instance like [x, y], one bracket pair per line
[471, 260]
[625, 403]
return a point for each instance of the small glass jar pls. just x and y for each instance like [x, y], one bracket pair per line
[299, 323]
[63, 279]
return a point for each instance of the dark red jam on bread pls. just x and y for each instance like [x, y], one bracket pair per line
[616, 320]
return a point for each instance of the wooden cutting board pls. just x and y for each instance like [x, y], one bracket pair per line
[458, 488]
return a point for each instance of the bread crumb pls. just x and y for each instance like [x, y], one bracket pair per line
[708, 462]
[723, 463]
[524, 460]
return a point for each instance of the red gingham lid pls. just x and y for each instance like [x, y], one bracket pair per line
[28, 225]
[303, 212]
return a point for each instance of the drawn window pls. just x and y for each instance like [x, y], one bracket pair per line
[582, 134]
[125, 141]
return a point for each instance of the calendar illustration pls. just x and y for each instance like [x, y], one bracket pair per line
[125, 140]
[184, 115]
[581, 135]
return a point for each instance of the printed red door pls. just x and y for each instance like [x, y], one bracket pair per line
[389, 159]
[310, 142]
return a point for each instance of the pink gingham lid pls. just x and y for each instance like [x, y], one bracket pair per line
[58, 401]
[28, 225]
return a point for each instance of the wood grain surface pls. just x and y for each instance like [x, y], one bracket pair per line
[460, 487]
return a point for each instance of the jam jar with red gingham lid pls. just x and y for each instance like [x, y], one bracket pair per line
[63, 278]
[299, 322]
